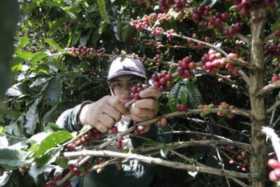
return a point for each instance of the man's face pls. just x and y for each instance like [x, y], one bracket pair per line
[121, 86]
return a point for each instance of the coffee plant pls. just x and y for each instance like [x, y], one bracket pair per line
[216, 63]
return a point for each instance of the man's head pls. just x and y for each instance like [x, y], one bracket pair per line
[124, 73]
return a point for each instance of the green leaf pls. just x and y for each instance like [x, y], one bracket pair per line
[11, 158]
[184, 92]
[23, 42]
[275, 26]
[2, 130]
[51, 141]
[25, 55]
[37, 57]
[49, 157]
[194, 95]
[102, 10]
[54, 44]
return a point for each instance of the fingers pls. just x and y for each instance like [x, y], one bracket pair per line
[117, 104]
[145, 104]
[112, 112]
[106, 120]
[274, 175]
[150, 92]
[139, 114]
[100, 126]
[162, 122]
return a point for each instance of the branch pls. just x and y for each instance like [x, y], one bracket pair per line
[148, 122]
[273, 107]
[272, 35]
[235, 111]
[243, 38]
[184, 144]
[222, 139]
[268, 88]
[244, 77]
[239, 182]
[158, 161]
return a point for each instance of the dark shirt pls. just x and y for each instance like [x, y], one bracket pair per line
[131, 174]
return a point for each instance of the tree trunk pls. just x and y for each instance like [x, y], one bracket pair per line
[258, 155]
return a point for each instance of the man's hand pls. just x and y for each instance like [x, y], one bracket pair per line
[145, 108]
[274, 174]
[102, 114]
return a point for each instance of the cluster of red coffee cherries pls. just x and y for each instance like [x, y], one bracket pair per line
[167, 4]
[273, 49]
[54, 180]
[243, 6]
[135, 91]
[275, 77]
[74, 169]
[217, 20]
[200, 13]
[92, 134]
[240, 161]
[203, 16]
[83, 52]
[157, 31]
[185, 67]
[148, 20]
[181, 107]
[161, 80]
[233, 29]
[224, 109]
[213, 62]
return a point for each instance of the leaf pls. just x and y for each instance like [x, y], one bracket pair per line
[54, 44]
[49, 157]
[25, 55]
[14, 91]
[32, 117]
[275, 26]
[54, 90]
[11, 158]
[2, 130]
[184, 92]
[194, 95]
[37, 57]
[23, 41]
[102, 10]
[51, 141]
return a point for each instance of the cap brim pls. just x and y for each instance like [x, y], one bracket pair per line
[122, 73]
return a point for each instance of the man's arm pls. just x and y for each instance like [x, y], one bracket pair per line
[69, 119]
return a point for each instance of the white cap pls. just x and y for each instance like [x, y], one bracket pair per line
[126, 66]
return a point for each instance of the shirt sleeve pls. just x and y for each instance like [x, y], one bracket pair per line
[69, 119]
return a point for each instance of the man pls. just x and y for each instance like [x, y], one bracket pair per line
[102, 114]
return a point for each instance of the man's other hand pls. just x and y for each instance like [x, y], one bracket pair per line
[102, 114]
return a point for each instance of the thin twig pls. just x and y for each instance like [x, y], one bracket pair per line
[268, 88]
[243, 38]
[157, 161]
[239, 182]
[274, 106]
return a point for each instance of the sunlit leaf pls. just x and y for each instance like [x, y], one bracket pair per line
[51, 141]
[102, 10]
[53, 44]
[23, 42]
